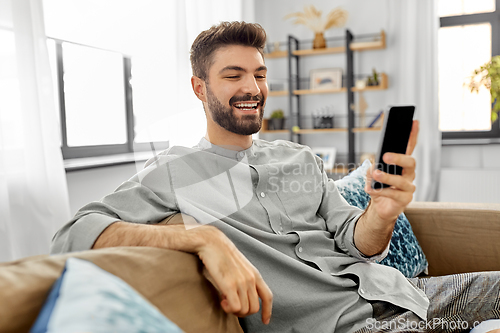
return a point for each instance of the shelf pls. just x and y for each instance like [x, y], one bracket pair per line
[318, 91]
[384, 84]
[366, 129]
[278, 93]
[264, 128]
[378, 44]
[277, 54]
[328, 50]
[348, 47]
[319, 130]
[368, 46]
[336, 130]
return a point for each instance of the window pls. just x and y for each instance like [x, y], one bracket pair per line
[94, 95]
[469, 36]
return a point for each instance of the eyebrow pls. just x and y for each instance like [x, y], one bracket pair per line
[238, 68]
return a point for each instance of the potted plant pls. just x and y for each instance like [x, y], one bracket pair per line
[311, 18]
[277, 120]
[489, 76]
[373, 79]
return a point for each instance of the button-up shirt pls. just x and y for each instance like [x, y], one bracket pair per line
[276, 203]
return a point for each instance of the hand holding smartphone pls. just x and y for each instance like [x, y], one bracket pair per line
[396, 131]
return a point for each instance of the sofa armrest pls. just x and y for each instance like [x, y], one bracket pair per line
[457, 237]
[170, 280]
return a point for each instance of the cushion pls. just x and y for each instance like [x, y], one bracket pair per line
[405, 253]
[87, 298]
[171, 280]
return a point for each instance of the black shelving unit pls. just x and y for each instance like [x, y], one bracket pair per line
[294, 99]
[293, 84]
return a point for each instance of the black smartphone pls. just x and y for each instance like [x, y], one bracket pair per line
[396, 131]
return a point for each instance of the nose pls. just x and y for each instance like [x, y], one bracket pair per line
[250, 86]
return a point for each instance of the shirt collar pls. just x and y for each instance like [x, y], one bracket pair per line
[204, 144]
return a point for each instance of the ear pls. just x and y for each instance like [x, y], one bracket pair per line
[199, 88]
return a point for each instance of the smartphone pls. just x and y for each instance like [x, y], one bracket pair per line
[396, 131]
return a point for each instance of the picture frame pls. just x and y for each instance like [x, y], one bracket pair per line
[325, 78]
[327, 154]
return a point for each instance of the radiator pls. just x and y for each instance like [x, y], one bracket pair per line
[470, 185]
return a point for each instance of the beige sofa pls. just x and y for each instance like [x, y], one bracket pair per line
[456, 238]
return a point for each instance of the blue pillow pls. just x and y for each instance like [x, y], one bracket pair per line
[86, 298]
[405, 254]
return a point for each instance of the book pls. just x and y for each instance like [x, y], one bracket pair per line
[377, 121]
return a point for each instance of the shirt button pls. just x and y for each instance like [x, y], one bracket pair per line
[361, 291]
[242, 154]
[262, 194]
[300, 249]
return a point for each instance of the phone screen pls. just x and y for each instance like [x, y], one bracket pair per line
[396, 133]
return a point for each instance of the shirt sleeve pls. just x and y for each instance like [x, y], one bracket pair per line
[146, 198]
[341, 218]
[358, 254]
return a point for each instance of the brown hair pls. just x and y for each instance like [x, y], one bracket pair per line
[224, 34]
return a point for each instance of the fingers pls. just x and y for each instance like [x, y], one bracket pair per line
[412, 142]
[405, 161]
[238, 281]
[400, 182]
[239, 295]
[396, 181]
[245, 301]
[401, 197]
[267, 300]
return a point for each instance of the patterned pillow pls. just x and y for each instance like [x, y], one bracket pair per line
[86, 298]
[405, 254]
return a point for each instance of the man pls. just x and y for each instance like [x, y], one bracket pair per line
[271, 225]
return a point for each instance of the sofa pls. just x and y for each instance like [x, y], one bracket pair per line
[455, 237]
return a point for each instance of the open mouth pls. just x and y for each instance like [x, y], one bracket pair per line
[249, 106]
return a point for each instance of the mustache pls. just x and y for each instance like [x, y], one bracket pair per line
[246, 98]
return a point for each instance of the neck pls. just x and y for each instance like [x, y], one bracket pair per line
[229, 140]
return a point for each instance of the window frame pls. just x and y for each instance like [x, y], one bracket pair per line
[100, 150]
[494, 19]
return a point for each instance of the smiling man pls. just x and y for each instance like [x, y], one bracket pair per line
[300, 253]
[241, 88]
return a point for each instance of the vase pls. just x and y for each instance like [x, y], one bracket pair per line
[319, 41]
[276, 124]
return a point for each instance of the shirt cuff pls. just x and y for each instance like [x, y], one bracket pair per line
[86, 230]
[353, 250]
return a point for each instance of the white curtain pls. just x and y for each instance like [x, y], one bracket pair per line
[33, 192]
[413, 57]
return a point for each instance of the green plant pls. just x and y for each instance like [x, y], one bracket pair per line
[373, 79]
[488, 75]
[277, 114]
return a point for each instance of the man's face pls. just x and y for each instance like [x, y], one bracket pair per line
[237, 89]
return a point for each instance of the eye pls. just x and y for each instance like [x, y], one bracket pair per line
[260, 77]
[233, 77]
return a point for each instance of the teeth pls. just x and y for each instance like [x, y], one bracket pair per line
[246, 105]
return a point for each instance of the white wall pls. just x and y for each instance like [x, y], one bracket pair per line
[470, 173]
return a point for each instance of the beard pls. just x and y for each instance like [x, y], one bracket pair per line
[225, 117]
